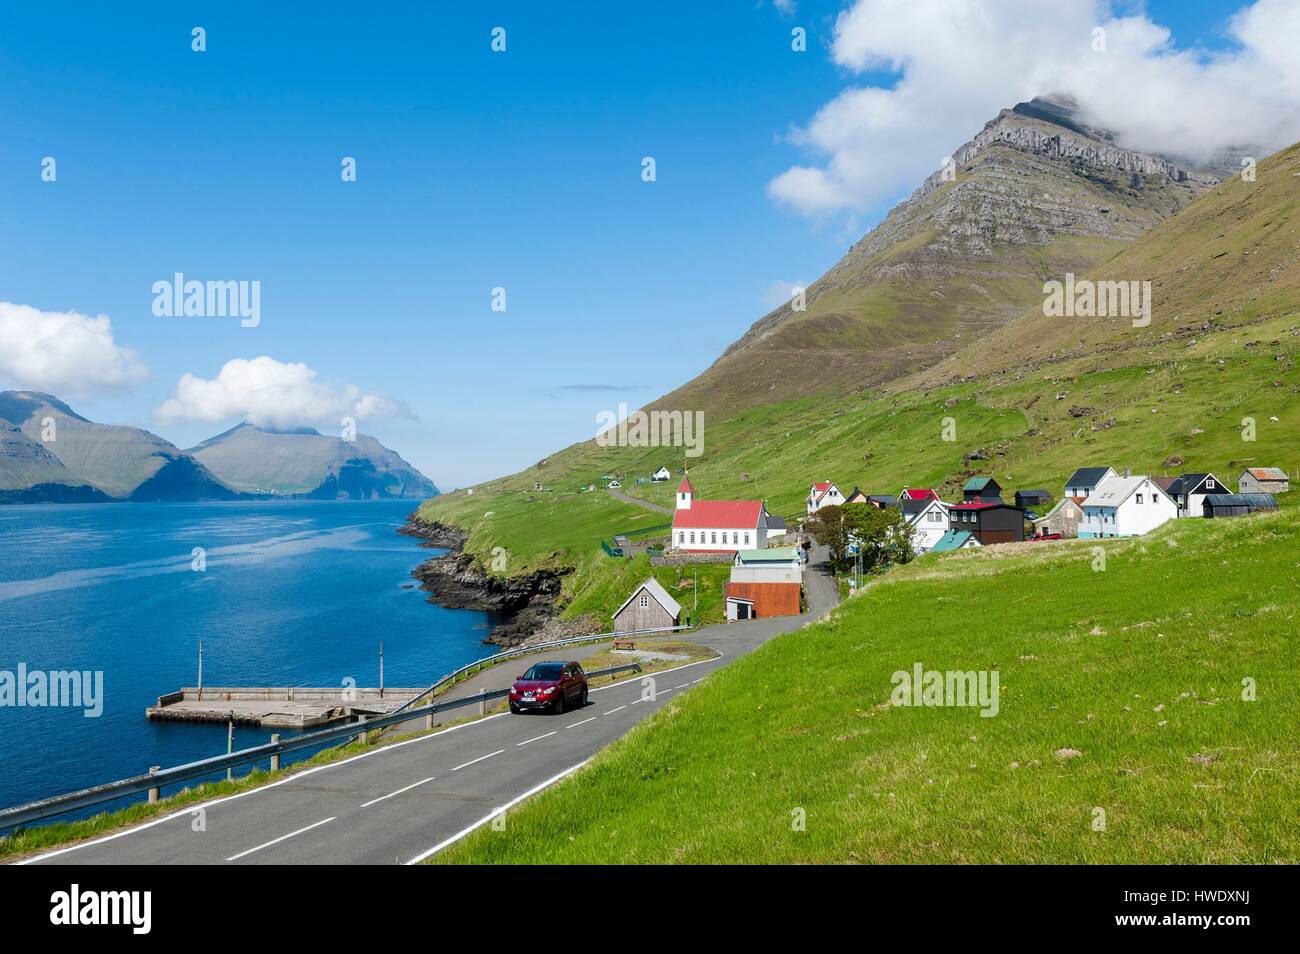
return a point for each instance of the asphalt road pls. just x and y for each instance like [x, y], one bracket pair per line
[401, 802]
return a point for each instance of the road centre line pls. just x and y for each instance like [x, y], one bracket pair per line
[536, 738]
[479, 759]
[381, 798]
[276, 841]
[583, 722]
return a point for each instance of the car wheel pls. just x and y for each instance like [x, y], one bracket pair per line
[584, 695]
[514, 708]
[559, 703]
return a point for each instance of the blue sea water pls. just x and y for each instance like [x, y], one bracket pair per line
[295, 593]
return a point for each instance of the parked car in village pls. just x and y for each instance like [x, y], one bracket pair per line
[550, 686]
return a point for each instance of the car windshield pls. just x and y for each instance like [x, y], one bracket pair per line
[545, 671]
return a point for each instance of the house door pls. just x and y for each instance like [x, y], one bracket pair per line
[743, 611]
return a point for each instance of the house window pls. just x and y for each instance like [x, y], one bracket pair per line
[645, 601]
[735, 538]
[692, 536]
[681, 537]
[714, 537]
[1139, 496]
[1210, 483]
[746, 539]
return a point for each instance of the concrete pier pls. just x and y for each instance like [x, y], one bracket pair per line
[277, 707]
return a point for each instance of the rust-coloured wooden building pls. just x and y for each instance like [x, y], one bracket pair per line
[760, 600]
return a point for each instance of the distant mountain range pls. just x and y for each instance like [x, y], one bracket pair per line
[51, 454]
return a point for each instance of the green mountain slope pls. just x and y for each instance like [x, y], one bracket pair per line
[305, 462]
[1033, 195]
[1119, 690]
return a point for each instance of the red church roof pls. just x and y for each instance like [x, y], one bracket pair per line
[719, 514]
[685, 486]
[913, 493]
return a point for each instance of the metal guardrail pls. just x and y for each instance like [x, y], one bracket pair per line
[152, 782]
[481, 664]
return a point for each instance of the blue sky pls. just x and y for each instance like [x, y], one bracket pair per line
[476, 169]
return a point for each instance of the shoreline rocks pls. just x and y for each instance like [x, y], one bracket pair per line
[521, 609]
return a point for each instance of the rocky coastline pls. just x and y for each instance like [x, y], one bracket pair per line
[523, 609]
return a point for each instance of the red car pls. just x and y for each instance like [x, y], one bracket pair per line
[553, 686]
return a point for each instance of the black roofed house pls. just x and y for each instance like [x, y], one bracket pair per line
[1083, 480]
[1236, 505]
[1026, 499]
[982, 488]
[882, 501]
[856, 497]
[991, 521]
[1263, 480]
[1189, 492]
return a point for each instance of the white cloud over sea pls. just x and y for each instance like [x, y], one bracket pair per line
[271, 393]
[956, 63]
[63, 353]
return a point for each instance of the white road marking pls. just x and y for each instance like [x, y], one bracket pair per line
[276, 841]
[612, 711]
[583, 722]
[479, 759]
[682, 686]
[535, 738]
[701, 679]
[494, 813]
[381, 798]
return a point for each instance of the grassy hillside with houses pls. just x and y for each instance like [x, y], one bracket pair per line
[1029, 403]
[1121, 734]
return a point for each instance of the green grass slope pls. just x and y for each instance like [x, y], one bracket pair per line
[1138, 668]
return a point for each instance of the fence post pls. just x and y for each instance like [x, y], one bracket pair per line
[275, 757]
[482, 703]
[361, 737]
[154, 792]
[428, 720]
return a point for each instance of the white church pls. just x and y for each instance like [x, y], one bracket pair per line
[718, 526]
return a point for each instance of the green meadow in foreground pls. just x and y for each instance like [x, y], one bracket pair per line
[1122, 734]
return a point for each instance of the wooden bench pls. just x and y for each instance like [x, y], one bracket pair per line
[624, 644]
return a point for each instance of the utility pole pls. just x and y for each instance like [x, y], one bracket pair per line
[230, 746]
[696, 587]
[381, 669]
[200, 670]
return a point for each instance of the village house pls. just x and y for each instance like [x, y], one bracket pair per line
[882, 501]
[989, 521]
[856, 497]
[983, 489]
[1190, 490]
[1126, 507]
[717, 525]
[1263, 480]
[824, 494]
[1236, 505]
[1064, 519]
[929, 520]
[1032, 499]
[663, 473]
[955, 540]
[915, 493]
[1083, 480]
[759, 600]
[773, 565]
[649, 607]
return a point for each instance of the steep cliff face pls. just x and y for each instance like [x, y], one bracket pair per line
[1032, 195]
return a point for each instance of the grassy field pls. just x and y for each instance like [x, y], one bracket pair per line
[1121, 692]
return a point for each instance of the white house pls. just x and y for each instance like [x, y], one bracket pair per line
[1083, 480]
[717, 525]
[929, 520]
[824, 494]
[614, 485]
[1190, 490]
[663, 473]
[1125, 507]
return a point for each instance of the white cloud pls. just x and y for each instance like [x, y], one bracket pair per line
[958, 62]
[270, 393]
[63, 352]
[787, 7]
